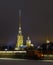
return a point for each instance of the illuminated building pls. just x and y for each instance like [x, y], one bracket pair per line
[19, 42]
[28, 42]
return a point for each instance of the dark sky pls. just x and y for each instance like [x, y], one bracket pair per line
[37, 19]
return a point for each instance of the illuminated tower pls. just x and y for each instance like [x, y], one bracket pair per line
[28, 42]
[19, 36]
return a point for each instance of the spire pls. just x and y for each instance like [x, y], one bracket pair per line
[20, 12]
[20, 22]
[19, 42]
[19, 18]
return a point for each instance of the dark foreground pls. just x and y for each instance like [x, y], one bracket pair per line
[25, 62]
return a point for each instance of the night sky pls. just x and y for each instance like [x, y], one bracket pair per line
[37, 20]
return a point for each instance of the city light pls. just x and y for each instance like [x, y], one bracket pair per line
[47, 41]
[27, 48]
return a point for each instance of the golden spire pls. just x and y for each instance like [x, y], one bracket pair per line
[20, 31]
[20, 12]
[19, 18]
[19, 36]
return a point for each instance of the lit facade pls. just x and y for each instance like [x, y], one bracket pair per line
[19, 39]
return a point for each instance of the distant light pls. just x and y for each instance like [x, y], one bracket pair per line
[42, 55]
[47, 41]
[16, 48]
[6, 49]
[23, 46]
[19, 28]
[32, 45]
[38, 47]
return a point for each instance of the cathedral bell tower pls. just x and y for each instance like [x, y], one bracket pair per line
[19, 42]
